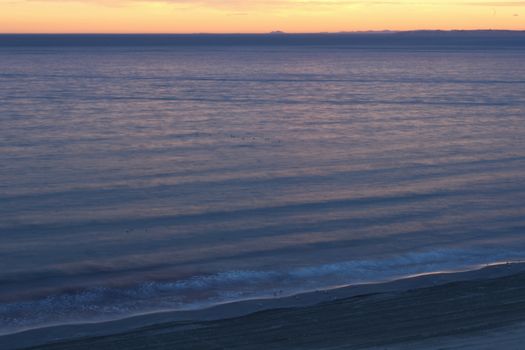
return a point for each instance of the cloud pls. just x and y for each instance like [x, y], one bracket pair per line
[497, 3]
[243, 5]
[240, 4]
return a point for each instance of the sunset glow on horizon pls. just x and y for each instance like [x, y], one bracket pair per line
[260, 16]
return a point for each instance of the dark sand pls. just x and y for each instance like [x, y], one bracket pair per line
[470, 310]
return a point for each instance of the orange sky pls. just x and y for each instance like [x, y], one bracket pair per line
[228, 16]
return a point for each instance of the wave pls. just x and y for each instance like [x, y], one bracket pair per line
[200, 291]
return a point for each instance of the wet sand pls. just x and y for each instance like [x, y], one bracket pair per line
[467, 310]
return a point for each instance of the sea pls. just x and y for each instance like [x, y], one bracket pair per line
[143, 173]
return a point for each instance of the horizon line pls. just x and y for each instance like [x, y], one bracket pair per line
[277, 32]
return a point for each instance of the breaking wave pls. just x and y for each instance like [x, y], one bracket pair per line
[110, 303]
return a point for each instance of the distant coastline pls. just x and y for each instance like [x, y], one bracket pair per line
[421, 38]
[279, 32]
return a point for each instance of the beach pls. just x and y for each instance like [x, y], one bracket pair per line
[463, 310]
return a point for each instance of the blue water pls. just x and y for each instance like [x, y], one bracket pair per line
[141, 179]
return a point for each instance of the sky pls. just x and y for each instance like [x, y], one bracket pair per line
[256, 16]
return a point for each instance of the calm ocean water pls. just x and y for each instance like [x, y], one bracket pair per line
[135, 180]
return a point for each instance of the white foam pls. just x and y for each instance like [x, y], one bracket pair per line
[100, 303]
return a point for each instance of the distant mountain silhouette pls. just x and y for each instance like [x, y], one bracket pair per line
[417, 38]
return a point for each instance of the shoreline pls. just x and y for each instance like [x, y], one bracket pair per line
[242, 309]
